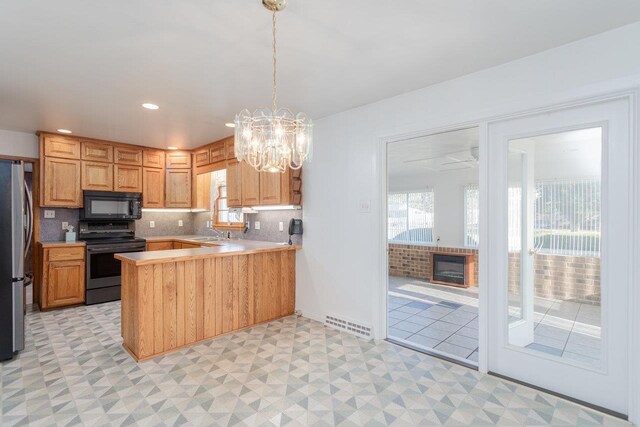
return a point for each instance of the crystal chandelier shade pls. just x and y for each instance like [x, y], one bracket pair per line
[272, 140]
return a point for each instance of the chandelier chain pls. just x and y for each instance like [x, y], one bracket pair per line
[273, 91]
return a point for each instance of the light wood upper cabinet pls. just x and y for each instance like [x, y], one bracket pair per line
[97, 176]
[178, 160]
[217, 152]
[97, 151]
[230, 148]
[201, 157]
[178, 188]
[203, 191]
[152, 188]
[250, 185]
[128, 179]
[234, 184]
[60, 146]
[61, 184]
[271, 187]
[128, 156]
[153, 159]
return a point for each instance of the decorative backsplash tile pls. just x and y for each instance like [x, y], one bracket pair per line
[51, 228]
[166, 224]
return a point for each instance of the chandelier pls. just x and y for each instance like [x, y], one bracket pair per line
[273, 140]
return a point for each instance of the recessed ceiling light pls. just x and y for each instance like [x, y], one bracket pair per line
[172, 148]
[150, 106]
[64, 131]
[230, 125]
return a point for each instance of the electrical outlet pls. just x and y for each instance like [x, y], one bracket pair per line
[152, 224]
[365, 206]
[256, 225]
[180, 223]
[65, 225]
[48, 213]
[281, 226]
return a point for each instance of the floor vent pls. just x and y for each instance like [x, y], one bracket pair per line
[359, 329]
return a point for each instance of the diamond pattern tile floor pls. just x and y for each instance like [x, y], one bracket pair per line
[290, 372]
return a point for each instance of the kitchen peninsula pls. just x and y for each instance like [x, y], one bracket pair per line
[175, 298]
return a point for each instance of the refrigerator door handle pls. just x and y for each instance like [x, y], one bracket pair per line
[29, 219]
[17, 217]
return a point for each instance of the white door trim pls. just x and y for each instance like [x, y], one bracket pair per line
[380, 304]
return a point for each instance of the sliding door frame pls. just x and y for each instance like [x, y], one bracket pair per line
[632, 94]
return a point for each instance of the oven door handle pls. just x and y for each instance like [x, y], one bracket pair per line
[117, 249]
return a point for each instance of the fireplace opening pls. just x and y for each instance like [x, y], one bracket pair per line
[449, 269]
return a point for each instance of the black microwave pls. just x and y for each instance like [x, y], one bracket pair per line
[107, 205]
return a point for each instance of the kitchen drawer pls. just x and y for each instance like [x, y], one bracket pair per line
[66, 254]
[160, 246]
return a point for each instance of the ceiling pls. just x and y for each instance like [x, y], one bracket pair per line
[88, 65]
[442, 152]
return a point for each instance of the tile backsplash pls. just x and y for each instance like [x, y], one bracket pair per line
[269, 226]
[166, 224]
[51, 228]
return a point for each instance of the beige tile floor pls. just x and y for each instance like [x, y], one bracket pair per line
[445, 319]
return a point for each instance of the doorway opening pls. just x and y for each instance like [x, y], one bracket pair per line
[432, 243]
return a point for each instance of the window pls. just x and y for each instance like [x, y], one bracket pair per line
[410, 217]
[566, 217]
[223, 216]
[471, 215]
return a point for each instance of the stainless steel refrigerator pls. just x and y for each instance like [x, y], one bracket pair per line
[15, 236]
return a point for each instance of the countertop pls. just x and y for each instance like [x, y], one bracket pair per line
[211, 249]
[61, 244]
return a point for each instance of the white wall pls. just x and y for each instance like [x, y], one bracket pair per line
[18, 144]
[448, 195]
[338, 269]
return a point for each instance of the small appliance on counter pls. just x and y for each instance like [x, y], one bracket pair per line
[103, 240]
[295, 227]
[16, 229]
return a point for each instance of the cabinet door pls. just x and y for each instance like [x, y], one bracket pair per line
[65, 283]
[128, 179]
[178, 188]
[250, 185]
[61, 183]
[203, 191]
[271, 188]
[97, 176]
[201, 157]
[97, 151]
[160, 246]
[234, 184]
[153, 159]
[62, 147]
[128, 156]
[152, 188]
[178, 160]
[217, 152]
[230, 148]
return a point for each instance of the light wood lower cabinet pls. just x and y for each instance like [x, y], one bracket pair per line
[152, 188]
[178, 188]
[127, 179]
[63, 276]
[97, 176]
[61, 184]
[160, 246]
[169, 305]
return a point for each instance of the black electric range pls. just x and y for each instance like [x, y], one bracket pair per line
[104, 239]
